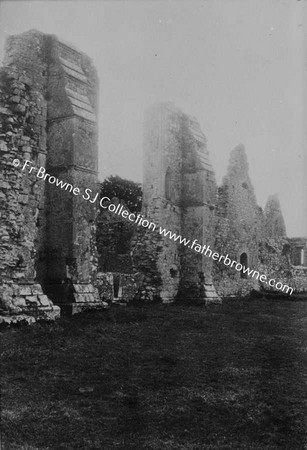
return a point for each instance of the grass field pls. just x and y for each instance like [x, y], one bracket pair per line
[159, 377]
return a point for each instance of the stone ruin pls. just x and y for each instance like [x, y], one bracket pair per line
[179, 193]
[48, 116]
[59, 252]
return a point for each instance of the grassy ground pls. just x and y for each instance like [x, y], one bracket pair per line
[161, 377]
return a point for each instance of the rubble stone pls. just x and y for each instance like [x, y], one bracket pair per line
[48, 234]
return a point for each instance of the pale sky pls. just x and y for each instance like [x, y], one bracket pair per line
[238, 66]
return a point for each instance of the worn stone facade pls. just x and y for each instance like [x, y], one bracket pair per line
[48, 109]
[58, 249]
[254, 237]
[23, 110]
[179, 194]
[238, 227]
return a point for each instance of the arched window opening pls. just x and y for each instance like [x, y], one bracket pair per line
[243, 261]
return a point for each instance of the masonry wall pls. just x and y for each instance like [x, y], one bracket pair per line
[48, 236]
[273, 219]
[48, 113]
[72, 157]
[113, 236]
[153, 255]
[275, 262]
[276, 252]
[199, 191]
[253, 237]
[239, 228]
[179, 193]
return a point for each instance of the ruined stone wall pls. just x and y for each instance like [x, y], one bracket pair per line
[153, 255]
[23, 111]
[239, 228]
[255, 238]
[72, 157]
[114, 235]
[179, 192]
[199, 191]
[277, 253]
[275, 262]
[48, 108]
[48, 236]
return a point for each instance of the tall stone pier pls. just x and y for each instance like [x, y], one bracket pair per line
[73, 157]
[179, 194]
[48, 92]
[198, 201]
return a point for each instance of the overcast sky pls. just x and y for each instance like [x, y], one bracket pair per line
[239, 67]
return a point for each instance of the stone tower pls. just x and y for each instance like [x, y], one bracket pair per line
[179, 194]
[48, 111]
[274, 221]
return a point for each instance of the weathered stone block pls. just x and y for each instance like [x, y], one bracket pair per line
[25, 291]
[15, 99]
[32, 299]
[15, 310]
[6, 293]
[36, 289]
[20, 302]
[84, 298]
[43, 300]
[80, 288]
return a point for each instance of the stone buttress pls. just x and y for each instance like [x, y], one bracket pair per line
[179, 194]
[23, 114]
[48, 117]
[73, 157]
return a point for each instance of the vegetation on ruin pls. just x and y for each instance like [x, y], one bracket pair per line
[159, 377]
[126, 190]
